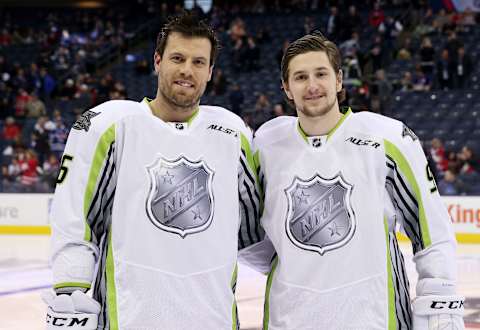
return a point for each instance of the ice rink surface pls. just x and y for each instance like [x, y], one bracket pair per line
[24, 273]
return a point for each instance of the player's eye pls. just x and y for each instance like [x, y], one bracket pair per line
[176, 59]
[300, 77]
[199, 62]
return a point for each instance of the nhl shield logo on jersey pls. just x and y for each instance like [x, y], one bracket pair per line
[180, 200]
[320, 216]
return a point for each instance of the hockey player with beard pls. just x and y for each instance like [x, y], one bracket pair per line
[336, 185]
[152, 202]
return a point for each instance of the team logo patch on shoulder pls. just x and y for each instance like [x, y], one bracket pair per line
[320, 217]
[408, 132]
[83, 123]
[180, 199]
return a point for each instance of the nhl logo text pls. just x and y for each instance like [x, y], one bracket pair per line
[180, 200]
[320, 217]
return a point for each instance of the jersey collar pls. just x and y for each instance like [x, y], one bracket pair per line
[319, 141]
[180, 126]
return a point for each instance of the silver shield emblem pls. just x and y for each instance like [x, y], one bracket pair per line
[180, 200]
[320, 216]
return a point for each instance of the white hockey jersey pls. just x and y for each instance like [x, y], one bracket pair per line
[331, 207]
[150, 214]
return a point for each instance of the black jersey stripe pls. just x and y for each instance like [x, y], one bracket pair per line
[254, 220]
[408, 215]
[250, 177]
[100, 218]
[414, 237]
[402, 180]
[402, 304]
[405, 286]
[95, 206]
[412, 219]
[246, 223]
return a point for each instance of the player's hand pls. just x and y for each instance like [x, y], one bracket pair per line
[437, 308]
[75, 311]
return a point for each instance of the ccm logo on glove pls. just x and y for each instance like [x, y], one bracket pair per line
[63, 321]
[447, 304]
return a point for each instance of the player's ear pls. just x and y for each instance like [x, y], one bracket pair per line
[210, 73]
[157, 58]
[287, 90]
[339, 80]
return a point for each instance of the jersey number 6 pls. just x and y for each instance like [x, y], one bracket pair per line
[63, 168]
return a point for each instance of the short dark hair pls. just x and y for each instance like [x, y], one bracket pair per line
[189, 25]
[313, 42]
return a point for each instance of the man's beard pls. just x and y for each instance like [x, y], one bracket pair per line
[317, 112]
[179, 102]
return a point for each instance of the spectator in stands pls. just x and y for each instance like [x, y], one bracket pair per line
[278, 110]
[28, 166]
[238, 55]
[406, 83]
[383, 90]
[441, 21]
[262, 112]
[49, 171]
[427, 57]
[352, 74]
[236, 99]
[21, 101]
[10, 176]
[252, 54]
[308, 25]
[68, 90]
[421, 82]
[5, 38]
[35, 107]
[445, 70]
[438, 156]
[48, 84]
[83, 98]
[376, 15]
[11, 130]
[454, 163]
[390, 29]
[468, 163]
[453, 44]
[351, 22]
[463, 67]
[333, 24]
[237, 31]
[57, 137]
[467, 21]
[449, 185]
[424, 24]
[375, 59]
[219, 83]
[351, 46]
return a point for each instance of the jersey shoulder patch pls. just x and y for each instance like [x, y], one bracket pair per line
[221, 119]
[378, 125]
[106, 114]
[274, 130]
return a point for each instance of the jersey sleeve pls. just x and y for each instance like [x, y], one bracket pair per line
[249, 195]
[418, 206]
[82, 201]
